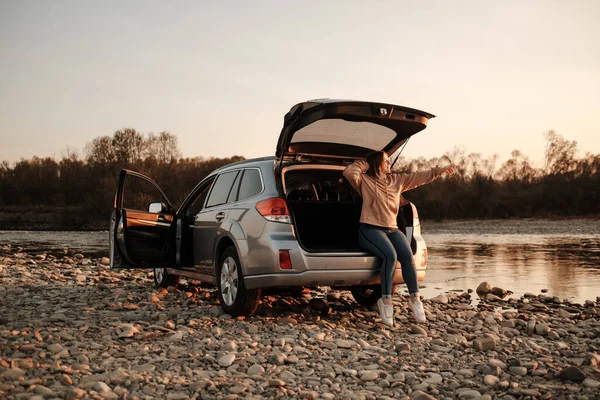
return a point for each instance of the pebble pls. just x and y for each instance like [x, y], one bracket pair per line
[227, 360]
[85, 331]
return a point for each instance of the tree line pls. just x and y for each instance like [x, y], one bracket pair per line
[564, 186]
[77, 191]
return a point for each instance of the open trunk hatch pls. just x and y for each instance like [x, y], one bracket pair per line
[347, 128]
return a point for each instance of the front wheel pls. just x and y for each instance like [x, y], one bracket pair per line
[235, 299]
[162, 279]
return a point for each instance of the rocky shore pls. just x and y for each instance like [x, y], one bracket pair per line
[71, 328]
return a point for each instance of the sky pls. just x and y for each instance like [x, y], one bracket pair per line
[222, 74]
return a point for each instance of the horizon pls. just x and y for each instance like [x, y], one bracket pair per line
[497, 76]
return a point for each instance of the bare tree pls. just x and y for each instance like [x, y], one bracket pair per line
[163, 147]
[128, 145]
[559, 155]
[100, 151]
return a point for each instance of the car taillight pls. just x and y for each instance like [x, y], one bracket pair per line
[274, 209]
[285, 261]
[424, 258]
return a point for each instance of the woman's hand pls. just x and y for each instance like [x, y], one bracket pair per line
[449, 170]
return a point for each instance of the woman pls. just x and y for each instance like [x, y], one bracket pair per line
[379, 233]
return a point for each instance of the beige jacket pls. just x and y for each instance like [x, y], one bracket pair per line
[381, 196]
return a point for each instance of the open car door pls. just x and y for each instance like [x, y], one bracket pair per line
[141, 225]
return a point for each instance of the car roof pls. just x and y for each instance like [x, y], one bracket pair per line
[245, 163]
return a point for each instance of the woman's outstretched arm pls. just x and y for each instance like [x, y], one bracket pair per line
[411, 181]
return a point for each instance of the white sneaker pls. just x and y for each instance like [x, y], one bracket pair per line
[387, 312]
[418, 310]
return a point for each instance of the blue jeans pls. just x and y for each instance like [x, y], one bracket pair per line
[389, 244]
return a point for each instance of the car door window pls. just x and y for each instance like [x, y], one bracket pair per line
[198, 202]
[234, 189]
[251, 184]
[138, 193]
[221, 189]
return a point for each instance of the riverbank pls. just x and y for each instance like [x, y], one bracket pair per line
[42, 218]
[70, 328]
[51, 219]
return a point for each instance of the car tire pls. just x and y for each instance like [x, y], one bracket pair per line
[162, 279]
[235, 299]
[366, 295]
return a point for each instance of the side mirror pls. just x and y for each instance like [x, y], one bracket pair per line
[157, 208]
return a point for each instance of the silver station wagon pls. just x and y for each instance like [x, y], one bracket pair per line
[288, 220]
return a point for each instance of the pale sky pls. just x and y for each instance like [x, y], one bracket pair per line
[222, 74]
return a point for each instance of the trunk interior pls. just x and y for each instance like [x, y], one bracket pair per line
[326, 210]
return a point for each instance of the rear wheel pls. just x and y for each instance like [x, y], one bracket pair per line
[366, 295]
[235, 299]
[162, 279]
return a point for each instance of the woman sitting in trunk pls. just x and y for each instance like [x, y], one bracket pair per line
[379, 233]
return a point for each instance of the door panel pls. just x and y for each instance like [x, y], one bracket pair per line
[209, 220]
[206, 226]
[140, 238]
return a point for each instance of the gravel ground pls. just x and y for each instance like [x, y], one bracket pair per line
[72, 328]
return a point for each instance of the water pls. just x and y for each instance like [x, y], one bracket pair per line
[561, 256]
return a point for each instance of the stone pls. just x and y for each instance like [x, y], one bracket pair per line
[102, 387]
[417, 330]
[591, 383]
[12, 373]
[277, 359]
[256, 369]
[469, 394]
[501, 293]
[491, 380]
[367, 376]
[484, 288]
[519, 371]
[402, 347]
[440, 299]
[226, 360]
[542, 329]
[492, 297]
[420, 395]
[571, 374]
[434, 379]
[76, 393]
[484, 344]
[344, 344]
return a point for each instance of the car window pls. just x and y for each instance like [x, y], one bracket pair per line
[221, 189]
[251, 184]
[198, 202]
[138, 193]
[234, 189]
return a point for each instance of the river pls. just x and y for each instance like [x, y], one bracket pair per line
[561, 257]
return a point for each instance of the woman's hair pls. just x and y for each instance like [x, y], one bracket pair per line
[374, 160]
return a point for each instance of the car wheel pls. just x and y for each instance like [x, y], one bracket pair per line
[162, 279]
[366, 295]
[235, 299]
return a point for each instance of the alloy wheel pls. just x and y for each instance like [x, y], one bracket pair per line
[159, 274]
[229, 280]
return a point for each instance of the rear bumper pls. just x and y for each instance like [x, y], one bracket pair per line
[262, 270]
[351, 277]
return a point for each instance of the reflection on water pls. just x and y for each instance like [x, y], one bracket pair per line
[565, 261]
[521, 255]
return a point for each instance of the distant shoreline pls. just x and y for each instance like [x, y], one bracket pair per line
[77, 219]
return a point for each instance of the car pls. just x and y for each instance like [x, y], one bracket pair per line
[287, 220]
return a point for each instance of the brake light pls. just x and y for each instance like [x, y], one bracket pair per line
[274, 209]
[285, 261]
[424, 258]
